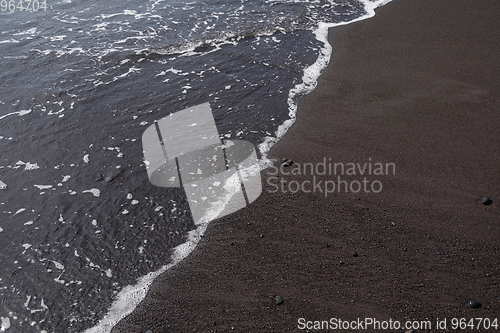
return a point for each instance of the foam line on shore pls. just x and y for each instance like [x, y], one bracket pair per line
[130, 296]
[310, 77]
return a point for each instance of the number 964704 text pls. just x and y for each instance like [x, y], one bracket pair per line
[23, 5]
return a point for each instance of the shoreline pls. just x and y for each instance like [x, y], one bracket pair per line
[424, 246]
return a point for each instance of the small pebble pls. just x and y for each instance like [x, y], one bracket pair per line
[279, 300]
[474, 304]
[149, 331]
[487, 201]
[355, 254]
[287, 162]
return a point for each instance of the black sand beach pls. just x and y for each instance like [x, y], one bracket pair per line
[417, 86]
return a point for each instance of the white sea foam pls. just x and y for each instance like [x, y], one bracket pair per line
[19, 113]
[27, 32]
[31, 166]
[130, 296]
[12, 40]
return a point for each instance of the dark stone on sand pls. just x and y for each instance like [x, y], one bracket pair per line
[487, 201]
[355, 254]
[261, 235]
[287, 162]
[474, 304]
[279, 300]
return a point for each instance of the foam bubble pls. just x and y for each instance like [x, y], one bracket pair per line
[19, 211]
[31, 166]
[43, 187]
[5, 323]
[58, 265]
[96, 192]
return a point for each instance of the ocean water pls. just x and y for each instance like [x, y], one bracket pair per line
[83, 232]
